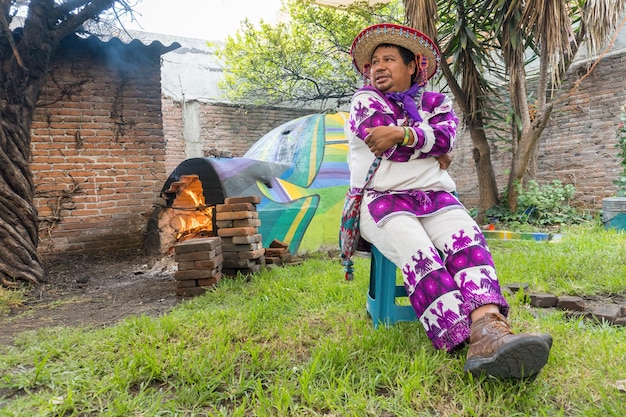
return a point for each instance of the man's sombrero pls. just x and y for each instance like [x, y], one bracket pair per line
[415, 41]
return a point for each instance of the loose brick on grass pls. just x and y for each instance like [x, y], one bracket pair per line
[570, 302]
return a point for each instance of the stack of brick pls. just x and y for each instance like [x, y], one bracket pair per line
[199, 265]
[278, 253]
[237, 222]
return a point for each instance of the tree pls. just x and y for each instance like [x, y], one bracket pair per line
[554, 30]
[25, 51]
[459, 30]
[304, 61]
[505, 34]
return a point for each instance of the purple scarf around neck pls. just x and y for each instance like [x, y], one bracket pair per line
[407, 98]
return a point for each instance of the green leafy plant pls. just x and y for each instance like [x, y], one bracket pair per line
[621, 145]
[539, 206]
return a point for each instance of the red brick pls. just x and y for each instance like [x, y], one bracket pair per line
[246, 223]
[255, 254]
[220, 208]
[247, 239]
[197, 256]
[197, 245]
[242, 247]
[237, 231]
[210, 263]
[273, 260]
[226, 223]
[239, 263]
[250, 199]
[278, 244]
[237, 215]
[276, 251]
[193, 274]
[227, 240]
[184, 266]
[210, 282]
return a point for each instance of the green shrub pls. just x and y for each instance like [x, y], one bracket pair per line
[539, 206]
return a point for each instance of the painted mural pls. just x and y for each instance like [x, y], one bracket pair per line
[298, 169]
[303, 205]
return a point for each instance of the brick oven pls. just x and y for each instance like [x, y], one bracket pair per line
[192, 191]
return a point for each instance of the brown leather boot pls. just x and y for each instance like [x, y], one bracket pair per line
[496, 351]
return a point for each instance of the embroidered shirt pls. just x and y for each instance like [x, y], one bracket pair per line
[409, 179]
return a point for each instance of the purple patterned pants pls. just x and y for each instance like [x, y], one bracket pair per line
[447, 267]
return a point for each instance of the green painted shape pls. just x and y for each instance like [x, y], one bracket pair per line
[280, 220]
[323, 231]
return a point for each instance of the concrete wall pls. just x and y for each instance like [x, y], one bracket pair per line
[195, 129]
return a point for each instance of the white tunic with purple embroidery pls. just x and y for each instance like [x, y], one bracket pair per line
[447, 267]
[409, 179]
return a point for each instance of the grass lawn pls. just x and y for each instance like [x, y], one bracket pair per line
[297, 341]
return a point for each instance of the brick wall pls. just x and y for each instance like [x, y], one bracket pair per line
[98, 155]
[578, 145]
[100, 139]
[104, 142]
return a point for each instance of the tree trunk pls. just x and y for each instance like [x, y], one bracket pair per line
[521, 158]
[531, 171]
[24, 59]
[522, 148]
[423, 16]
[19, 260]
[487, 185]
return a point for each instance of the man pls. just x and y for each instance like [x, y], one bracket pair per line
[409, 210]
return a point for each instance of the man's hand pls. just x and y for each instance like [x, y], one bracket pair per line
[381, 138]
[444, 161]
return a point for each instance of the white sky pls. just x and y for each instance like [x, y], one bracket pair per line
[203, 19]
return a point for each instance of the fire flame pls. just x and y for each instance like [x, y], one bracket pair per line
[197, 199]
[196, 218]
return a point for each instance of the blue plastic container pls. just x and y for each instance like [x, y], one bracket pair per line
[614, 213]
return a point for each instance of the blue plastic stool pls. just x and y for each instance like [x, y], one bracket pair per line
[381, 297]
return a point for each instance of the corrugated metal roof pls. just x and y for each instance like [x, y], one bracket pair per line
[95, 40]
